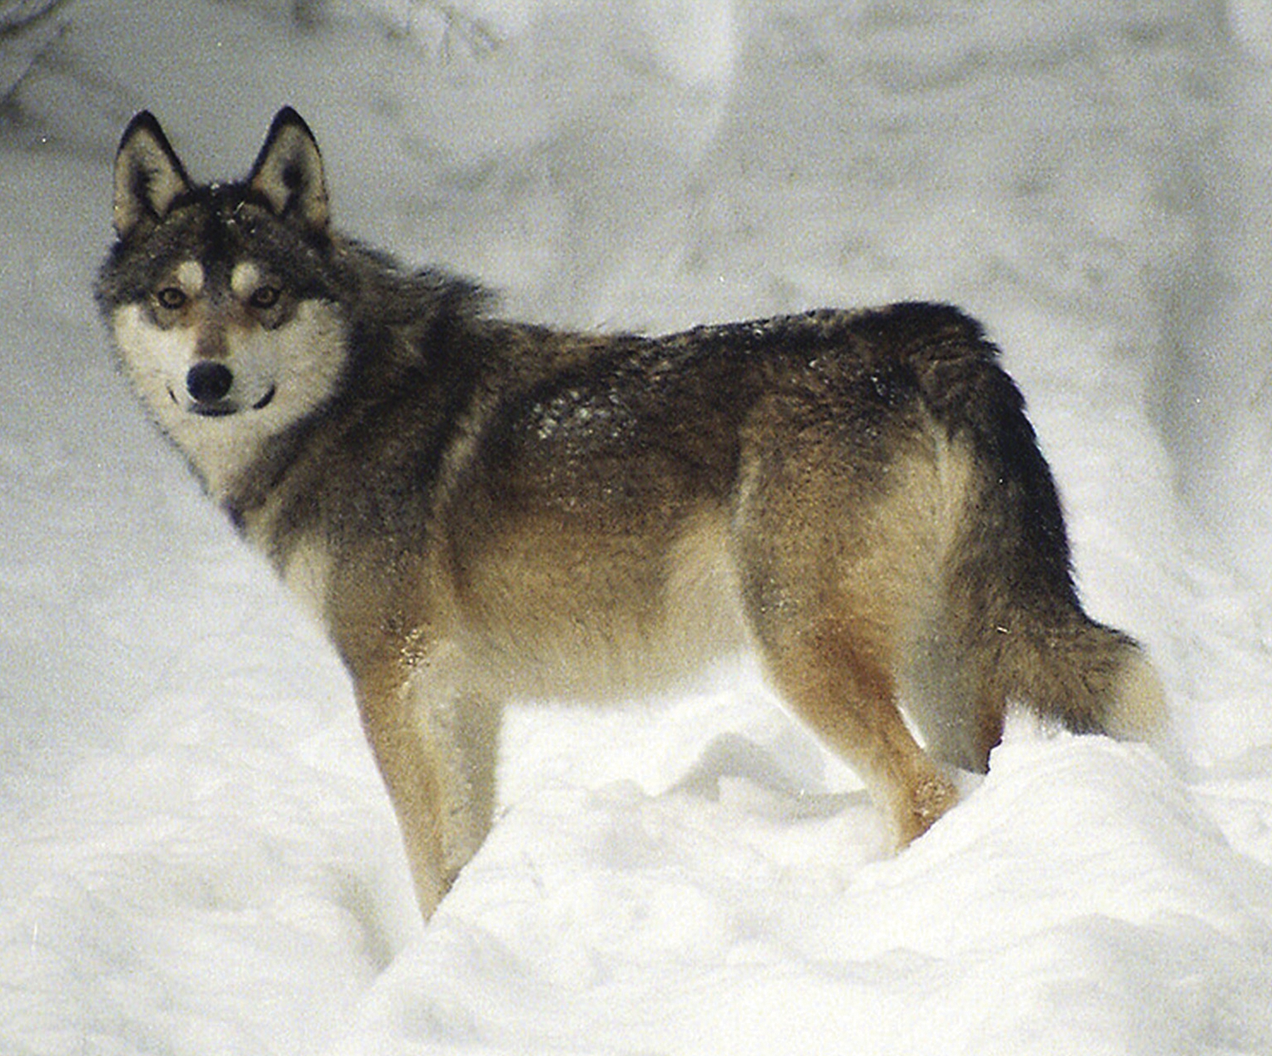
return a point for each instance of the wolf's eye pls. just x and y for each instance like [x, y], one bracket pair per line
[171, 297]
[264, 297]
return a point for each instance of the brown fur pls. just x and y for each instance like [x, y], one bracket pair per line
[481, 509]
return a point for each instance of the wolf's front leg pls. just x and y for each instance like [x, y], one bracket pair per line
[435, 747]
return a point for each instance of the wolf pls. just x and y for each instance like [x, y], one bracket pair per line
[479, 509]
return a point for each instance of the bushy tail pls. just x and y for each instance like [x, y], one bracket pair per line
[1011, 615]
[1092, 678]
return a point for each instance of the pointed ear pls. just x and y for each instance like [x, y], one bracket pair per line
[288, 171]
[148, 175]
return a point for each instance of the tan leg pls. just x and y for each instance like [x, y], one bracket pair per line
[436, 752]
[411, 775]
[837, 557]
[833, 678]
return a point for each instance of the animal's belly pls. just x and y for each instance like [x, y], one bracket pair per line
[601, 617]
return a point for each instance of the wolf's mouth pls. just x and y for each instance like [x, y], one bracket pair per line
[213, 410]
[223, 408]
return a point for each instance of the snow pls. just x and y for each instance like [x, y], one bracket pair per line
[197, 853]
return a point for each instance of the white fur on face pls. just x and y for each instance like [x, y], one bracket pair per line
[296, 365]
[190, 277]
[244, 279]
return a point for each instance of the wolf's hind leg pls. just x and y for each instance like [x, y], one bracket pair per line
[838, 682]
[837, 549]
[842, 686]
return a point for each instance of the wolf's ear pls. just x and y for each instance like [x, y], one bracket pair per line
[148, 175]
[288, 171]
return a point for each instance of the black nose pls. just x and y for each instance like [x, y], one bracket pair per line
[209, 382]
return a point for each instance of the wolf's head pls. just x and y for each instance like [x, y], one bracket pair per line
[223, 299]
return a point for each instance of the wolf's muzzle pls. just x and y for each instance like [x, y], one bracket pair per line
[209, 385]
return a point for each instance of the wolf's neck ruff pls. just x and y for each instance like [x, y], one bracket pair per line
[478, 509]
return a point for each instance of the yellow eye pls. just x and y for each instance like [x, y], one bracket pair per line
[264, 297]
[171, 297]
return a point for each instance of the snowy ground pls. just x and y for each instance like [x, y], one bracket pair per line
[197, 857]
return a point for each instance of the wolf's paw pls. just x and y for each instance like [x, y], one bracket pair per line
[928, 799]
